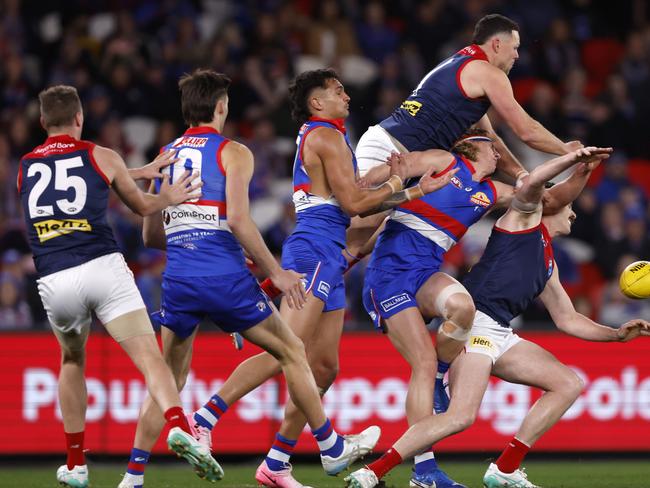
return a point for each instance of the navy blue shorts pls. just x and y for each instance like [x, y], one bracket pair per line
[234, 302]
[323, 266]
[386, 293]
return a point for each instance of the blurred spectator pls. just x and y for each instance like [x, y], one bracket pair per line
[14, 310]
[376, 38]
[559, 52]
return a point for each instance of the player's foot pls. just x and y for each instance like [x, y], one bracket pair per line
[354, 448]
[277, 479]
[77, 477]
[132, 481]
[434, 478]
[187, 447]
[496, 479]
[361, 478]
[440, 397]
[200, 433]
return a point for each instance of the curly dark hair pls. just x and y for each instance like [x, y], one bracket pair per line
[468, 148]
[492, 24]
[302, 86]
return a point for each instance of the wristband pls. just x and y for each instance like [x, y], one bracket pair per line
[414, 192]
[395, 183]
[269, 288]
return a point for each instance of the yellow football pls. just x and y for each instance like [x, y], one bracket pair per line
[635, 280]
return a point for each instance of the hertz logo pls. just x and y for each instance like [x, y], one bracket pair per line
[411, 107]
[49, 229]
[481, 342]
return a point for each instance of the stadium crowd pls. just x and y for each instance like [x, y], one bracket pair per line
[583, 72]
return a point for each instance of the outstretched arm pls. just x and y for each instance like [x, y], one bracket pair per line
[568, 320]
[567, 190]
[417, 163]
[507, 162]
[238, 163]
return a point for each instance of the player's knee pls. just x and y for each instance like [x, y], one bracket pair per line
[75, 357]
[425, 367]
[572, 386]
[461, 310]
[294, 350]
[463, 420]
[325, 373]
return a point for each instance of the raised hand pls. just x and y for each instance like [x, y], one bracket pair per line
[183, 190]
[291, 284]
[152, 170]
[573, 145]
[591, 154]
[400, 164]
[633, 329]
[428, 184]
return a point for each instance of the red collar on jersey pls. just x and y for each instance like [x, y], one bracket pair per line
[338, 123]
[201, 129]
[475, 51]
[59, 137]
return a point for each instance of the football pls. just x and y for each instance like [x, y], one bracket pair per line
[635, 280]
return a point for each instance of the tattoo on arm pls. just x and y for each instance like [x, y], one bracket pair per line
[391, 202]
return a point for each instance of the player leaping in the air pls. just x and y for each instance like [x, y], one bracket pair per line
[516, 267]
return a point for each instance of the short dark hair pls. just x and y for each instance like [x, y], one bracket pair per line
[492, 24]
[59, 105]
[302, 86]
[467, 148]
[200, 92]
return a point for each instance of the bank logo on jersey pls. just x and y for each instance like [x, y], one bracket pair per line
[49, 229]
[411, 106]
[481, 199]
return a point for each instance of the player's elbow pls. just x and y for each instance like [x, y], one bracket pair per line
[352, 209]
[235, 221]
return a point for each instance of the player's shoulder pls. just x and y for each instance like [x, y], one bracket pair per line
[325, 137]
[235, 149]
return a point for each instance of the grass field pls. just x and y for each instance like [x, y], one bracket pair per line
[578, 474]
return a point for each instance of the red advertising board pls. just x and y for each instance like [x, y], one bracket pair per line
[613, 414]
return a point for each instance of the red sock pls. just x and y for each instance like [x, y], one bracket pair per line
[269, 288]
[74, 444]
[385, 463]
[176, 418]
[512, 456]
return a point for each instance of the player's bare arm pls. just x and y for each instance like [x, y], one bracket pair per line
[152, 170]
[567, 190]
[427, 184]
[153, 231]
[238, 164]
[526, 209]
[507, 163]
[417, 163]
[568, 320]
[329, 147]
[143, 203]
[480, 79]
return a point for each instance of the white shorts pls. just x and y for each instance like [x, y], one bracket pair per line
[103, 285]
[374, 148]
[489, 338]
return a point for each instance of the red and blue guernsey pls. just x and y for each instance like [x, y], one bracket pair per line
[418, 234]
[315, 215]
[512, 272]
[64, 195]
[438, 111]
[199, 241]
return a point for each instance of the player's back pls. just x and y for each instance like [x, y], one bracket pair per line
[64, 195]
[511, 273]
[199, 240]
[438, 111]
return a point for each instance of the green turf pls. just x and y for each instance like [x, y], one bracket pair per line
[591, 474]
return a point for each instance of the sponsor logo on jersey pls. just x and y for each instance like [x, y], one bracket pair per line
[481, 199]
[324, 288]
[411, 106]
[49, 229]
[394, 301]
[456, 182]
[190, 141]
[55, 146]
[479, 341]
[192, 217]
